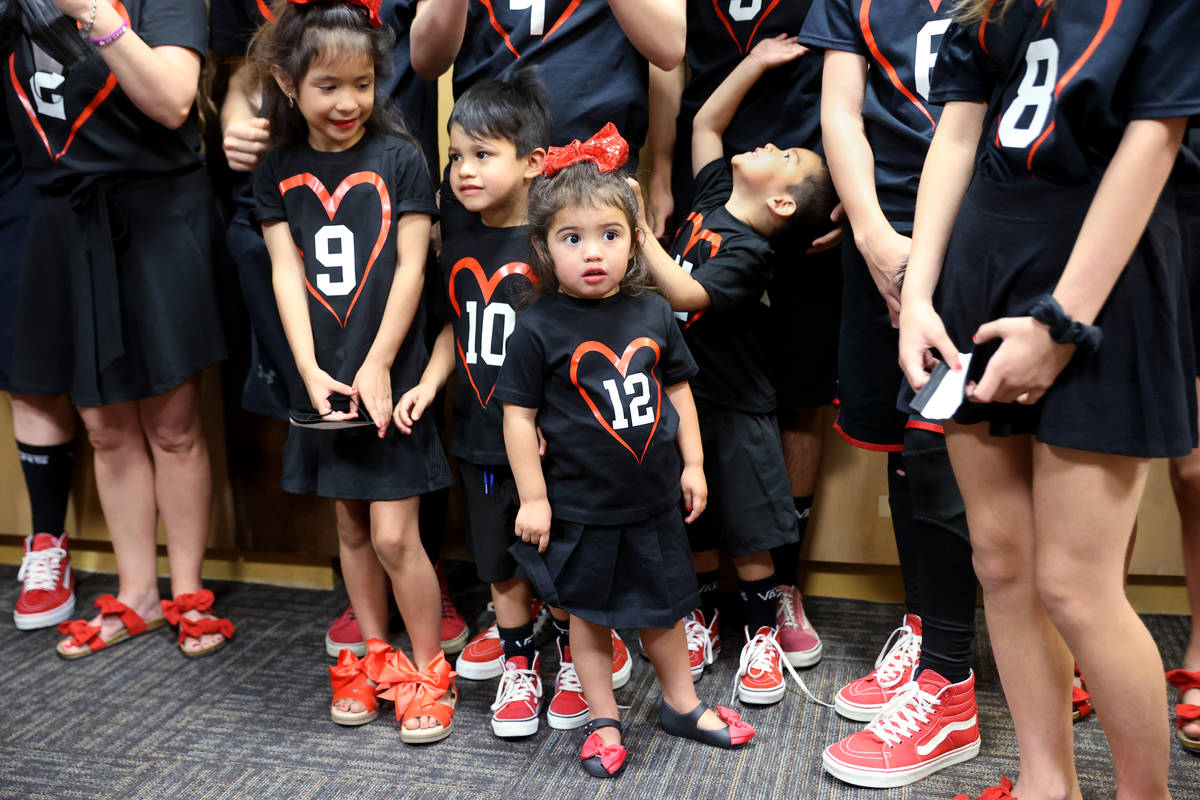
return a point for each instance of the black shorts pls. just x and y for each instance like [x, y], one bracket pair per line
[14, 216]
[624, 576]
[750, 508]
[491, 517]
[1136, 395]
[355, 464]
[118, 297]
[805, 294]
[1188, 204]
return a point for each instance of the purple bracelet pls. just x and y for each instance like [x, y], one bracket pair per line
[105, 41]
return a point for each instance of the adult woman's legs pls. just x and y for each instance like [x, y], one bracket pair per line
[995, 477]
[1085, 505]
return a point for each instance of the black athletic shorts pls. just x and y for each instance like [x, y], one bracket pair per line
[491, 518]
[805, 294]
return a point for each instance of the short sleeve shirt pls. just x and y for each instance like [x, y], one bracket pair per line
[342, 209]
[729, 340]
[597, 371]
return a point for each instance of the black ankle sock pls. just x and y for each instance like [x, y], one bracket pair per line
[562, 631]
[758, 602]
[709, 593]
[517, 641]
[48, 480]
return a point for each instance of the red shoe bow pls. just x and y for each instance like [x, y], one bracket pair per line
[612, 756]
[371, 7]
[1185, 681]
[81, 633]
[195, 601]
[607, 149]
[401, 682]
[202, 600]
[1001, 792]
[739, 732]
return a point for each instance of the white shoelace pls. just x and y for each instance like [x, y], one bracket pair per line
[904, 714]
[760, 655]
[900, 652]
[518, 685]
[42, 569]
[567, 680]
[789, 610]
[699, 638]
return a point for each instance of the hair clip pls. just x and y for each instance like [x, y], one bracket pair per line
[371, 7]
[606, 148]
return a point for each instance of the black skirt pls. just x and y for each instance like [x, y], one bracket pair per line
[118, 299]
[14, 218]
[1136, 395]
[628, 576]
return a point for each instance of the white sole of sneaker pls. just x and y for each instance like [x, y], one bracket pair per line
[455, 645]
[889, 779]
[855, 712]
[564, 723]
[44, 619]
[478, 671]
[621, 676]
[332, 648]
[805, 658]
[761, 697]
[510, 728]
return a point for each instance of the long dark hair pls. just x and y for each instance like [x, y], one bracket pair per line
[304, 33]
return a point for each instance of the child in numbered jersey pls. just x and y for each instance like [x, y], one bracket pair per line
[346, 203]
[723, 248]
[597, 364]
[499, 132]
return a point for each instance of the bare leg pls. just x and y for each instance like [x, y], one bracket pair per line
[366, 582]
[1185, 480]
[591, 650]
[667, 650]
[511, 600]
[1085, 505]
[802, 451]
[995, 477]
[43, 420]
[755, 567]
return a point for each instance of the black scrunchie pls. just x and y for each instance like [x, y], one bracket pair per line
[1064, 329]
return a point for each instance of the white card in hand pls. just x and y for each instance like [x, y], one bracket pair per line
[943, 394]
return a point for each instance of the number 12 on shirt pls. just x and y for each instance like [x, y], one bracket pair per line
[637, 387]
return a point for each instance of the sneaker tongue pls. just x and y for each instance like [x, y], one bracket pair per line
[44, 541]
[914, 622]
[764, 631]
[566, 654]
[931, 682]
[516, 662]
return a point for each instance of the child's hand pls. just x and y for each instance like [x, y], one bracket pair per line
[771, 53]
[641, 209]
[245, 143]
[541, 442]
[828, 241]
[695, 492]
[533, 523]
[374, 385]
[320, 386]
[412, 405]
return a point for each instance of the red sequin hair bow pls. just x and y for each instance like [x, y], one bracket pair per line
[607, 148]
[371, 7]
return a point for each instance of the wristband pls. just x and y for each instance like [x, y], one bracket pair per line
[105, 41]
[1064, 329]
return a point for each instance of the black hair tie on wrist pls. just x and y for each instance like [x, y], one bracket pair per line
[1064, 329]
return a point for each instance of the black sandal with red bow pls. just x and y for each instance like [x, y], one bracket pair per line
[602, 760]
[735, 733]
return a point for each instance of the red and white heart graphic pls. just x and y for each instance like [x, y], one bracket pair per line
[504, 35]
[743, 48]
[331, 204]
[622, 367]
[487, 288]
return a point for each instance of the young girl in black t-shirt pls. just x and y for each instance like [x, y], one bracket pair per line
[598, 364]
[346, 205]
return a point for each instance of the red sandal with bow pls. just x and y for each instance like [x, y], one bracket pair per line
[418, 693]
[1081, 699]
[354, 678]
[602, 760]
[1001, 792]
[202, 600]
[1185, 713]
[85, 637]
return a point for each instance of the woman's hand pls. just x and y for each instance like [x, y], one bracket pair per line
[245, 143]
[695, 492]
[321, 386]
[373, 382]
[1024, 366]
[533, 523]
[412, 405]
[921, 335]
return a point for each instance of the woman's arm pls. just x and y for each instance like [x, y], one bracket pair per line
[160, 81]
[521, 444]
[245, 134]
[944, 180]
[436, 36]
[666, 88]
[687, 438]
[657, 28]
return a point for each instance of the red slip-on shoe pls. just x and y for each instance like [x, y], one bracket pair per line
[454, 628]
[798, 638]
[344, 634]
[47, 583]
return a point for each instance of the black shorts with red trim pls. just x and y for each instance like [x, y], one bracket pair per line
[805, 291]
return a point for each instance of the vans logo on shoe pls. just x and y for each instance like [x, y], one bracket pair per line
[954, 727]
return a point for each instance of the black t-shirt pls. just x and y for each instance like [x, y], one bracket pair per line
[899, 40]
[597, 371]
[341, 209]
[594, 72]
[1062, 84]
[730, 260]
[83, 123]
[484, 272]
[232, 24]
[10, 158]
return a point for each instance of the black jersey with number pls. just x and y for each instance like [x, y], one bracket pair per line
[1063, 82]
[10, 157]
[82, 123]
[597, 371]
[232, 24]
[484, 272]
[899, 40]
[342, 209]
[729, 339]
[594, 72]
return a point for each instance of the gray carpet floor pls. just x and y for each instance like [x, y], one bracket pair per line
[252, 721]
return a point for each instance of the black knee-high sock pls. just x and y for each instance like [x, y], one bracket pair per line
[709, 593]
[785, 557]
[48, 479]
[900, 500]
[758, 601]
[517, 641]
[947, 578]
